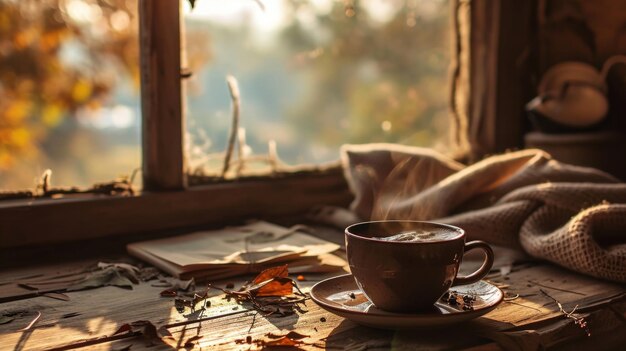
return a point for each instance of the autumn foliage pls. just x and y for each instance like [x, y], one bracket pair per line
[58, 56]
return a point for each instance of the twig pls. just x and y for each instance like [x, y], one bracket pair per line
[509, 298]
[45, 180]
[272, 155]
[580, 321]
[30, 325]
[553, 288]
[233, 88]
[241, 145]
[253, 320]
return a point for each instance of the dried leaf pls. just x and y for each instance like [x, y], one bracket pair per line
[272, 282]
[106, 277]
[292, 335]
[270, 273]
[6, 319]
[123, 329]
[168, 293]
[128, 270]
[150, 333]
[283, 341]
[179, 286]
[185, 285]
[58, 296]
[149, 273]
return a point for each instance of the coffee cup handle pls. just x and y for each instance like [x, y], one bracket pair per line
[483, 270]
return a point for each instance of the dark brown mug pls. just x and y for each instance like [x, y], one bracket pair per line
[409, 276]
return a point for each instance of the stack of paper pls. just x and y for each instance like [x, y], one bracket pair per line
[232, 251]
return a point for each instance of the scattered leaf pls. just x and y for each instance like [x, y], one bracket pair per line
[277, 286]
[186, 285]
[150, 333]
[6, 319]
[148, 273]
[56, 295]
[168, 293]
[179, 286]
[105, 277]
[270, 273]
[283, 341]
[123, 329]
[272, 282]
[292, 335]
[128, 270]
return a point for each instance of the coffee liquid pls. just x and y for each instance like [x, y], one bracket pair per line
[421, 236]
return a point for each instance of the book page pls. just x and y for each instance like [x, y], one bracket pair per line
[257, 242]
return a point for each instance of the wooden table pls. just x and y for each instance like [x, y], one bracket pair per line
[89, 319]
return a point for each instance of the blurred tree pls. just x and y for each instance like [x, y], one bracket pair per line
[377, 80]
[57, 56]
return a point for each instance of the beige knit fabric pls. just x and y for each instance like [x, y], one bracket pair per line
[572, 216]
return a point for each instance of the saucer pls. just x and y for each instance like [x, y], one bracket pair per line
[341, 296]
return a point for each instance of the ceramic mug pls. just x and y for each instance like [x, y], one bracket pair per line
[409, 276]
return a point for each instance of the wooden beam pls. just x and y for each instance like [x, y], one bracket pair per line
[501, 61]
[162, 95]
[46, 221]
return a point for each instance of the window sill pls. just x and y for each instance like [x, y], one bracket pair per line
[48, 221]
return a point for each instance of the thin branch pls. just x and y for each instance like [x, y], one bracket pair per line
[241, 146]
[30, 325]
[233, 88]
[272, 155]
[253, 320]
[580, 321]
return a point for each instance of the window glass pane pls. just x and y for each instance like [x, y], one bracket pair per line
[69, 91]
[317, 74]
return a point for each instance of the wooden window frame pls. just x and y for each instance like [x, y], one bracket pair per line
[492, 80]
[166, 202]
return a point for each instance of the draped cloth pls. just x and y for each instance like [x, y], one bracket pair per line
[569, 215]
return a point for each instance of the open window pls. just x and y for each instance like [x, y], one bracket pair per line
[311, 76]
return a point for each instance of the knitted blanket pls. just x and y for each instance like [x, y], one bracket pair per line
[572, 216]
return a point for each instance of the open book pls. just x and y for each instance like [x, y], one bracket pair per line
[217, 254]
